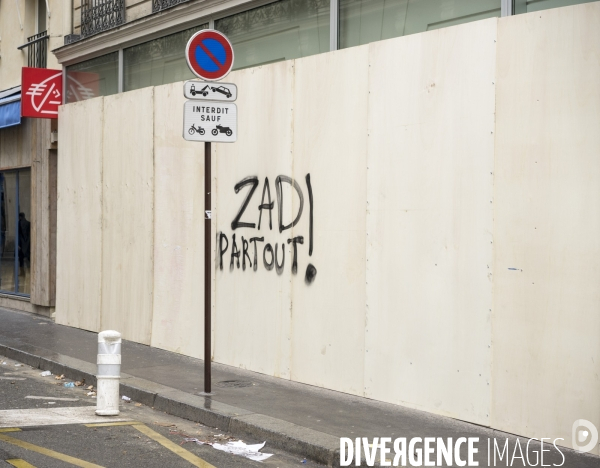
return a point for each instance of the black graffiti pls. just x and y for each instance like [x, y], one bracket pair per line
[221, 249]
[272, 257]
[268, 266]
[268, 251]
[242, 183]
[266, 206]
[311, 272]
[278, 267]
[280, 179]
[294, 241]
[255, 240]
[310, 215]
[235, 253]
[245, 253]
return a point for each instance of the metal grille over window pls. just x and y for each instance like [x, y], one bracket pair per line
[158, 5]
[100, 15]
[37, 50]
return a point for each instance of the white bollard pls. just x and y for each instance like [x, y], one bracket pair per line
[109, 373]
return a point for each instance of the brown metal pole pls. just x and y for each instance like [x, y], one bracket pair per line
[207, 267]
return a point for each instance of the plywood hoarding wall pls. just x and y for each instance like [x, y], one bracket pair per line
[436, 167]
[546, 322]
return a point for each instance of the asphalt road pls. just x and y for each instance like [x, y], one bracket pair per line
[57, 430]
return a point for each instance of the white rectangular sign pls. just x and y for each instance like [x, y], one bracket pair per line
[210, 91]
[210, 121]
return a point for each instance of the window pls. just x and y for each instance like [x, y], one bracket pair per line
[96, 77]
[364, 21]
[41, 15]
[282, 30]
[159, 61]
[100, 15]
[526, 6]
[15, 231]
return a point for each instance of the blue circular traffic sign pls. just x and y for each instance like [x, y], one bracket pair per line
[209, 55]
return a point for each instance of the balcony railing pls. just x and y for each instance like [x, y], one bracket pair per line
[158, 5]
[100, 15]
[37, 50]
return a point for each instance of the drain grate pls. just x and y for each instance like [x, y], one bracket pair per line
[233, 384]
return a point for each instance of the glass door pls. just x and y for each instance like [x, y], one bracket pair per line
[15, 232]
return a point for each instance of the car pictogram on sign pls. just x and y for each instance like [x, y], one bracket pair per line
[222, 90]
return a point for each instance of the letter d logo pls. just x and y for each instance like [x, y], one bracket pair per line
[584, 430]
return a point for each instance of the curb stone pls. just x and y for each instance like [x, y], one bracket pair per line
[307, 443]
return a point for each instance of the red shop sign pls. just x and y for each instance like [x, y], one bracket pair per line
[41, 92]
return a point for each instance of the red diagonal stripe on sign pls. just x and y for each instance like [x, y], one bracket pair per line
[209, 53]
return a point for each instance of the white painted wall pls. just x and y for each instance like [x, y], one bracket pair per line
[437, 162]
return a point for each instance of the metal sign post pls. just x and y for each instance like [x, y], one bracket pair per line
[208, 116]
[207, 264]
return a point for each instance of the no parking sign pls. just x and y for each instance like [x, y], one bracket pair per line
[209, 55]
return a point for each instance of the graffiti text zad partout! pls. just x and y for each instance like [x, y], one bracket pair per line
[245, 252]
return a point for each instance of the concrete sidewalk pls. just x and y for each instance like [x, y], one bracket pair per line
[298, 418]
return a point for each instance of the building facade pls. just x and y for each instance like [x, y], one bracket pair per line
[29, 29]
[423, 177]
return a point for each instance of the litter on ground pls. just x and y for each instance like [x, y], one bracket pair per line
[244, 450]
[45, 373]
[193, 439]
[33, 397]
